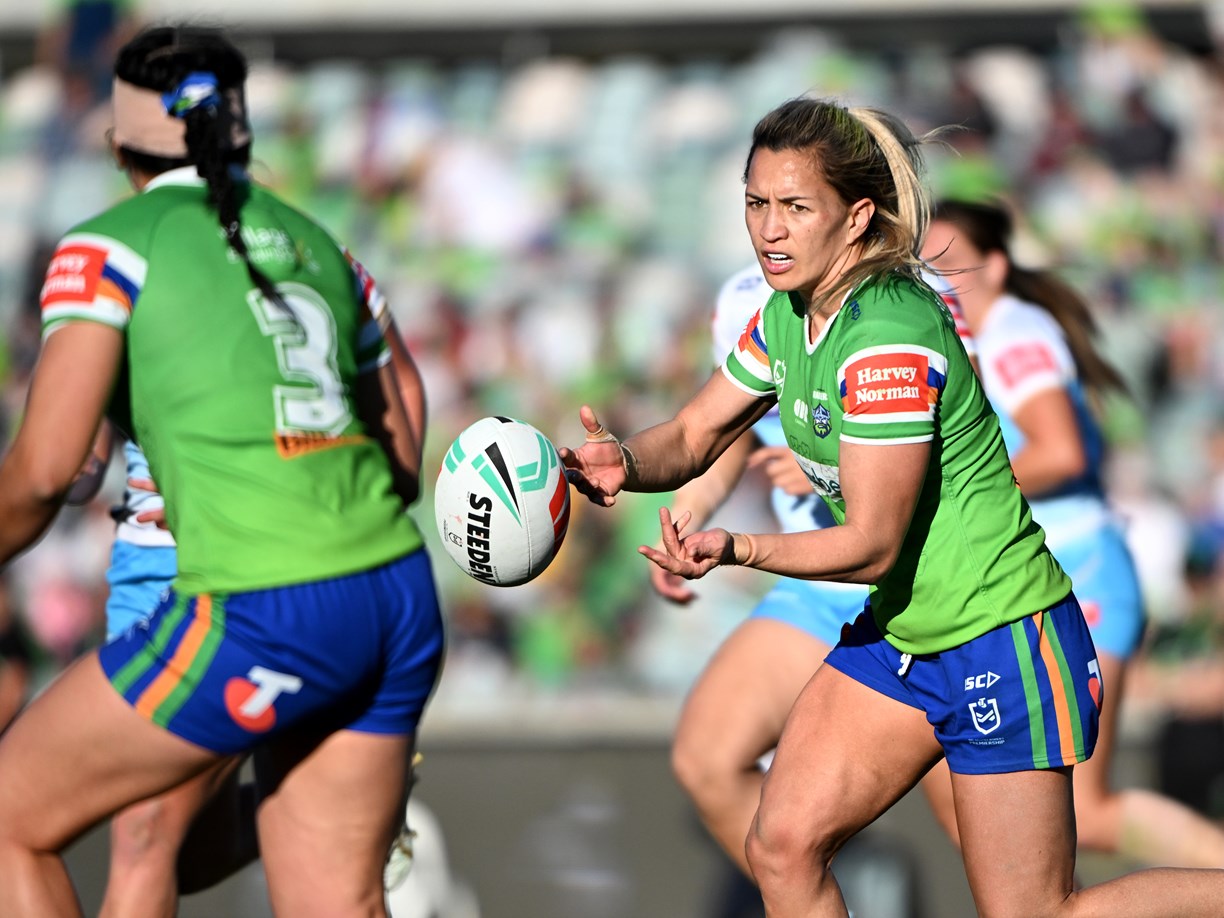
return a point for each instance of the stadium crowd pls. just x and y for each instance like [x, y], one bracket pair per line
[554, 230]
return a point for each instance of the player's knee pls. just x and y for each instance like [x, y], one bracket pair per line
[137, 831]
[705, 772]
[783, 847]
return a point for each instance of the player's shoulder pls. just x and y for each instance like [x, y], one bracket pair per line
[126, 222]
[1012, 319]
[895, 305]
[743, 293]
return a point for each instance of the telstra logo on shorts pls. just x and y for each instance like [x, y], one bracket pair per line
[249, 701]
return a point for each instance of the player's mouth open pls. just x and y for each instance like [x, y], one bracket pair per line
[775, 261]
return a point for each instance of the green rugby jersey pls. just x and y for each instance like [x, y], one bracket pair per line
[888, 368]
[244, 411]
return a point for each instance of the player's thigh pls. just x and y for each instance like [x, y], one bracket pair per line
[937, 788]
[738, 705]
[1017, 834]
[328, 813]
[78, 753]
[847, 753]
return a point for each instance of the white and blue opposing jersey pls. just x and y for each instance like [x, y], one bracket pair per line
[738, 300]
[1022, 352]
[139, 500]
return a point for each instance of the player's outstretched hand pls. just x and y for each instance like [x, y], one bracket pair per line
[672, 587]
[597, 468]
[778, 462]
[691, 556]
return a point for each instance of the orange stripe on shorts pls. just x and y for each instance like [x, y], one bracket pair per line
[1066, 737]
[169, 678]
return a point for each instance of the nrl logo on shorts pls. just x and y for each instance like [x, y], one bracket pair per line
[821, 422]
[985, 714]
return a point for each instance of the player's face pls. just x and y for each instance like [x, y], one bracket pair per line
[805, 237]
[978, 278]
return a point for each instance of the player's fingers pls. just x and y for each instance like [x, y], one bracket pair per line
[596, 432]
[142, 484]
[667, 562]
[671, 539]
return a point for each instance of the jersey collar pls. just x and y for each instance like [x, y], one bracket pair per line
[187, 175]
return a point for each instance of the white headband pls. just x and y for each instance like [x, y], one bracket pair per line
[142, 123]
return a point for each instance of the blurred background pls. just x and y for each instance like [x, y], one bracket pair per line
[550, 195]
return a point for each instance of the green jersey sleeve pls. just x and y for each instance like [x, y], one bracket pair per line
[92, 277]
[891, 375]
[375, 316]
[748, 366]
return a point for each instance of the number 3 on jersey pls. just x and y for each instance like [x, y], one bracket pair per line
[312, 403]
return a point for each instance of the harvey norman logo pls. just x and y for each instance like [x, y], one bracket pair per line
[896, 380]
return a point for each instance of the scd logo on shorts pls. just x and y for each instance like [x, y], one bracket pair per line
[249, 701]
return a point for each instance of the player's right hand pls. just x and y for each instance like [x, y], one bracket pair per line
[779, 463]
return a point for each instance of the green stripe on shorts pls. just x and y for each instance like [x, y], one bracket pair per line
[199, 665]
[134, 669]
[1077, 728]
[1032, 695]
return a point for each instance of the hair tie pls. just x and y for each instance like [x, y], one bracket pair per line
[197, 89]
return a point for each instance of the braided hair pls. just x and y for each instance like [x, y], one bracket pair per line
[192, 67]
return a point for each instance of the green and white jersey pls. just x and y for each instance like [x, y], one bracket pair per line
[244, 409]
[888, 368]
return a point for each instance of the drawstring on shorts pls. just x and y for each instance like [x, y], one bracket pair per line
[907, 660]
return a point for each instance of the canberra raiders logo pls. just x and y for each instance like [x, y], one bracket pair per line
[821, 421]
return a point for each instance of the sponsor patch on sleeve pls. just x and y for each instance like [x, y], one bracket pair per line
[91, 277]
[373, 303]
[748, 365]
[892, 384]
[1021, 365]
[73, 274]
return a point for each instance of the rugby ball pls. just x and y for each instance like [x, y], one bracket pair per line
[502, 501]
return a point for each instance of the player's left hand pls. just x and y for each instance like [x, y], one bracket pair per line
[158, 516]
[694, 555]
[597, 468]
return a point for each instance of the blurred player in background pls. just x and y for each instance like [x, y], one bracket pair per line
[240, 345]
[1042, 372]
[911, 462]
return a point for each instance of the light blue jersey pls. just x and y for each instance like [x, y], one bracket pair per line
[143, 558]
[819, 608]
[1022, 352]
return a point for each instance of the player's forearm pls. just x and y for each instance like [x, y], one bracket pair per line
[28, 503]
[411, 387]
[382, 412]
[659, 458]
[1041, 470]
[839, 553]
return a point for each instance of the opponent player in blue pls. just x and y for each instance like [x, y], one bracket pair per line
[1042, 373]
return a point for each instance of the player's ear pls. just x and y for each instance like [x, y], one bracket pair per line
[996, 266]
[858, 219]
